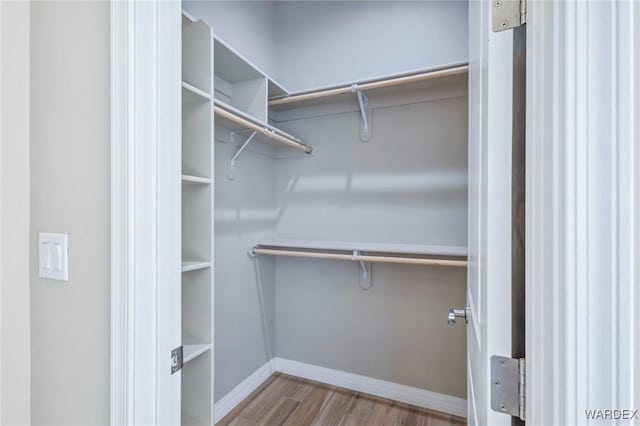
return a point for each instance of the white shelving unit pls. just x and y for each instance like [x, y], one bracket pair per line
[197, 222]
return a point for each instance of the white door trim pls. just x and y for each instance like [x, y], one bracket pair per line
[582, 209]
[1, 210]
[145, 132]
[122, 214]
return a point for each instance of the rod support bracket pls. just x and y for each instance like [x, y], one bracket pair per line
[365, 113]
[364, 281]
[251, 253]
[231, 166]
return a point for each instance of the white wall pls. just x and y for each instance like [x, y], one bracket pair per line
[70, 194]
[15, 384]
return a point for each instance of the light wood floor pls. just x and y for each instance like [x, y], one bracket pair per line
[290, 401]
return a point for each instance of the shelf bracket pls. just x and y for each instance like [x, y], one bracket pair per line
[365, 113]
[231, 169]
[365, 281]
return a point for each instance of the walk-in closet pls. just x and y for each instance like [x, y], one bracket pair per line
[324, 210]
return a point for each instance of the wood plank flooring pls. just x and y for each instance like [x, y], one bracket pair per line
[291, 401]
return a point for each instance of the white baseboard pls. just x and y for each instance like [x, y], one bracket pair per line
[240, 392]
[376, 387]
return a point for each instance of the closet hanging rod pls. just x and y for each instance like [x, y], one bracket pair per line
[231, 114]
[394, 81]
[357, 257]
[254, 120]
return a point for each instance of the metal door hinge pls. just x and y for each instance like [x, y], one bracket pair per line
[508, 14]
[508, 386]
[176, 359]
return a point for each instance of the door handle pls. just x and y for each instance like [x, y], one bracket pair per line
[459, 313]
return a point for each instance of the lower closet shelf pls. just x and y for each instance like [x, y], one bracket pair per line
[191, 352]
[194, 265]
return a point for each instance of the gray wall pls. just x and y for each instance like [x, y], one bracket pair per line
[408, 184]
[396, 331]
[70, 194]
[15, 382]
[244, 291]
[325, 43]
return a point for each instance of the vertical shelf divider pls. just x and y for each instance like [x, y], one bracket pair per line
[197, 222]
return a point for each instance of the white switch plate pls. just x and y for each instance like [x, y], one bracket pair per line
[54, 256]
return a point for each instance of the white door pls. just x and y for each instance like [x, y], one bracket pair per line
[489, 272]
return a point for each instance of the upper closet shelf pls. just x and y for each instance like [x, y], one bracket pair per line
[235, 120]
[414, 254]
[232, 67]
[419, 80]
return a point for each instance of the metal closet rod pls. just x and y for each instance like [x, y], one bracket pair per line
[395, 81]
[357, 257]
[262, 128]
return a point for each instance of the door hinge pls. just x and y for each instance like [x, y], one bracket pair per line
[508, 14]
[176, 359]
[508, 385]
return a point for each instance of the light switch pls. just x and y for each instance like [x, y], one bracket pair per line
[54, 256]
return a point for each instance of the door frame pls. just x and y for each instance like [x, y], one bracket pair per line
[560, 222]
[145, 194]
[582, 209]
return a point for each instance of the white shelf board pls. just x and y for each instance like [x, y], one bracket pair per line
[415, 249]
[194, 265]
[191, 352]
[194, 90]
[196, 180]
[230, 65]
